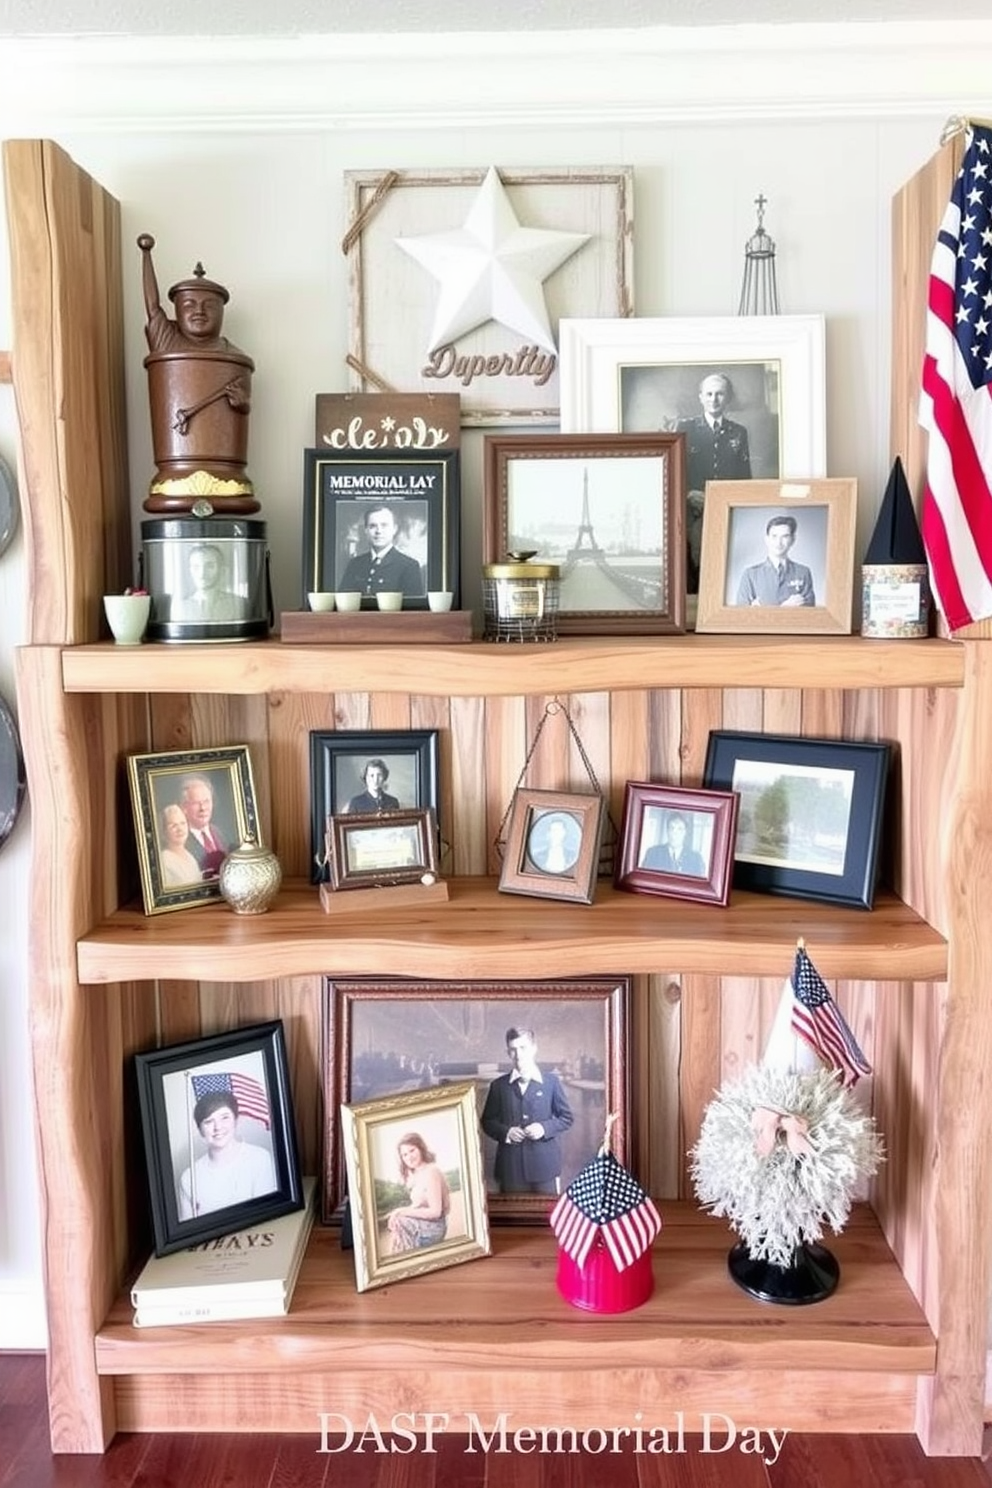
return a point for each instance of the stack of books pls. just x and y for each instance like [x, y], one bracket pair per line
[248, 1274]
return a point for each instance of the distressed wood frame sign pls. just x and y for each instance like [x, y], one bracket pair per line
[390, 1036]
[397, 335]
[752, 527]
[608, 510]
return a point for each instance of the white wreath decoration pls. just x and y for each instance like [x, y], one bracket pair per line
[780, 1153]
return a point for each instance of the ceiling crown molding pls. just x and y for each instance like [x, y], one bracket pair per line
[667, 74]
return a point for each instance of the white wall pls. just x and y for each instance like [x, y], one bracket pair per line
[256, 192]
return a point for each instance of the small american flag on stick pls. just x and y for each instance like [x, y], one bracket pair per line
[605, 1200]
[249, 1094]
[819, 1022]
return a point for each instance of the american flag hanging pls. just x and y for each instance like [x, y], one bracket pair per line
[605, 1200]
[956, 400]
[249, 1094]
[818, 1020]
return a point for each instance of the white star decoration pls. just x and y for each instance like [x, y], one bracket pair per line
[492, 269]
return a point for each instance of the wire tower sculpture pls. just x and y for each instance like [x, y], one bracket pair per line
[759, 291]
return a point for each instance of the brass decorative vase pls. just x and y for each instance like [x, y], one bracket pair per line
[250, 877]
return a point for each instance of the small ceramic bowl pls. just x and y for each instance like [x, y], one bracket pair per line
[390, 599]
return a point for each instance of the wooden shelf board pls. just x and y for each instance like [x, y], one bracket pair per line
[480, 932]
[479, 668]
[487, 1314]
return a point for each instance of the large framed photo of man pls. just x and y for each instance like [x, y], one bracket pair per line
[548, 1061]
[608, 511]
[379, 522]
[778, 557]
[747, 394]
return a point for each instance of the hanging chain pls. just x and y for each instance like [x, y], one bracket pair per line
[551, 709]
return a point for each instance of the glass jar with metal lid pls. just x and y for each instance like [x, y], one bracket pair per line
[520, 599]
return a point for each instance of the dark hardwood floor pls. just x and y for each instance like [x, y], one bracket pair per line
[294, 1461]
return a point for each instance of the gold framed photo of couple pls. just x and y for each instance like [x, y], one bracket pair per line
[219, 1134]
[191, 808]
[552, 847]
[608, 510]
[416, 1194]
[778, 557]
[376, 850]
[678, 843]
[555, 1052]
[366, 771]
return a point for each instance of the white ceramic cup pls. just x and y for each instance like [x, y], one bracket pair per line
[127, 616]
[321, 601]
[439, 599]
[348, 599]
[390, 599]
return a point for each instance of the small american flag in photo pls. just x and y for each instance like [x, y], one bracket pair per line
[249, 1094]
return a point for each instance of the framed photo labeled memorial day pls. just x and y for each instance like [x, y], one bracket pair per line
[391, 1036]
[810, 818]
[382, 521]
[608, 510]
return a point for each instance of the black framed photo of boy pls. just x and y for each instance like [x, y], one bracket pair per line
[219, 1135]
[384, 521]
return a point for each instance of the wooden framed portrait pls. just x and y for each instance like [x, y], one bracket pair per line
[552, 844]
[810, 818]
[391, 1036]
[417, 1197]
[219, 1135]
[381, 521]
[558, 243]
[379, 849]
[677, 842]
[191, 808]
[363, 771]
[748, 394]
[608, 511]
[778, 557]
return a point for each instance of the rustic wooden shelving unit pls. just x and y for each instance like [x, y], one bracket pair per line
[901, 1346]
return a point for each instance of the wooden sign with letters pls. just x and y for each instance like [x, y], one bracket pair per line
[379, 421]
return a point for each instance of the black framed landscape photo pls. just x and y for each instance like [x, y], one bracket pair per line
[191, 808]
[390, 1036]
[608, 509]
[219, 1134]
[676, 842]
[810, 817]
[383, 520]
[361, 771]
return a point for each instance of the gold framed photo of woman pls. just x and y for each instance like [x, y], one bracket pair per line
[417, 1196]
[191, 808]
[219, 1135]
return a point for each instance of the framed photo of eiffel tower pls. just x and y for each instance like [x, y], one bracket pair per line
[608, 509]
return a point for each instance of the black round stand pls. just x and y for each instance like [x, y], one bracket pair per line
[813, 1275]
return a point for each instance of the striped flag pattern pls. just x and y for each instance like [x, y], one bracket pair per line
[249, 1094]
[605, 1200]
[956, 397]
[818, 1020]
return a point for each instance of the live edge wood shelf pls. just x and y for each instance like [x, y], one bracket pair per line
[902, 1344]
